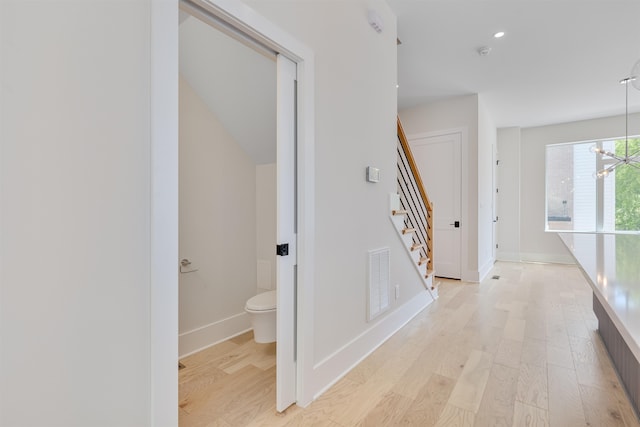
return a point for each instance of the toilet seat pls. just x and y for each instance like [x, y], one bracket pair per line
[262, 302]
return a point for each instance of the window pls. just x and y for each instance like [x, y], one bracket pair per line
[576, 201]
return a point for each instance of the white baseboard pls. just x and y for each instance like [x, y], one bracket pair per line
[200, 338]
[485, 269]
[334, 367]
[508, 256]
[547, 258]
[535, 257]
[470, 276]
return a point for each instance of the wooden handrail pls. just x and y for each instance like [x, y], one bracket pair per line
[414, 169]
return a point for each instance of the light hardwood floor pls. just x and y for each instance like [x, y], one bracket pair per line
[522, 350]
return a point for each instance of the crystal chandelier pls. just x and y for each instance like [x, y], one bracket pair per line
[632, 160]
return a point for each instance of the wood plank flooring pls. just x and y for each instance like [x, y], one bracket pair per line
[522, 350]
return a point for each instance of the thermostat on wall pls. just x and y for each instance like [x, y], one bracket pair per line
[373, 174]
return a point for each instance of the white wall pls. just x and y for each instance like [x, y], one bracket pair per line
[486, 145]
[355, 126]
[78, 149]
[509, 194]
[266, 216]
[535, 244]
[217, 227]
[456, 113]
[89, 208]
[243, 87]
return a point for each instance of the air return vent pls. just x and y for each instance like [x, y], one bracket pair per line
[379, 278]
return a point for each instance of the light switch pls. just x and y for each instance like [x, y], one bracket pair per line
[373, 174]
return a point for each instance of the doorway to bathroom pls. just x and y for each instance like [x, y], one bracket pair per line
[237, 189]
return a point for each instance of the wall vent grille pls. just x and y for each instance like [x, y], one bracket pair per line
[379, 282]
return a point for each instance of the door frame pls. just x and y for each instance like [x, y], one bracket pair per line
[464, 194]
[495, 200]
[164, 201]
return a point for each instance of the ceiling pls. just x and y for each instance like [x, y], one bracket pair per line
[559, 61]
[237, 83]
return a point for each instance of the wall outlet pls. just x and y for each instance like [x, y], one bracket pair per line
[397, 289]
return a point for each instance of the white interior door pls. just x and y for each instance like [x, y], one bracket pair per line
[286, 234]
[439, 162]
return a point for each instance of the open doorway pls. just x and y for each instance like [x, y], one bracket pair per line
[237, 198]
[227, 137]
[164, 304]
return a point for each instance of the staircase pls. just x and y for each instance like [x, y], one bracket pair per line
[412, 214]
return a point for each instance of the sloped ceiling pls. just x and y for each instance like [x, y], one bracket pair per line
[559, 61]
[237, 83]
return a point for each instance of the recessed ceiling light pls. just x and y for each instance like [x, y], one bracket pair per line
[499, 34]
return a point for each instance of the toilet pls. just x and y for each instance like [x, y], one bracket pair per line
[262, 312]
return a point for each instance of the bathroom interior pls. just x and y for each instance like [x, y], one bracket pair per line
[227, 216]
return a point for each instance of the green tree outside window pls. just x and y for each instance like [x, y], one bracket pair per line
[628, 189]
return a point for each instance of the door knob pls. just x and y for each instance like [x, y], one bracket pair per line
[282, 250]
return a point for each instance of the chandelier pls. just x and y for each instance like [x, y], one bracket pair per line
[632, 160]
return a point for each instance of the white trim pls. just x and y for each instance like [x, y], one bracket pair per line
[286, 372]
[546, 258]
[464, 206]
[419, 270]
[494, 198]
[485, 269]
[248, 21]
[535, 257]
[163, 351]
[472, 276]
[331, 369]
[441, 132]
[205, 336]
[397, 221]
[202, 10]
[508, 256]
[306, 222]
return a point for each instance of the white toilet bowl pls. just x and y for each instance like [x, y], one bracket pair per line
[262, 311]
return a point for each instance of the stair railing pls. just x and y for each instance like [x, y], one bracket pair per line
[414, 199]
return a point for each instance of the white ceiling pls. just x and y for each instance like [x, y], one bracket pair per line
[559, 61]
[237, 83]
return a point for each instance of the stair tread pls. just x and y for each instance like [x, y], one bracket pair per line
[399, 212]
[408, 230]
